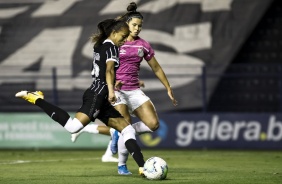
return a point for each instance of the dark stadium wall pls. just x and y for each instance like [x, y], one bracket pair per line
[260, 57]
[186, 35]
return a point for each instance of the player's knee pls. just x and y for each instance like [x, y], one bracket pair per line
[73, 125]
[154, 125]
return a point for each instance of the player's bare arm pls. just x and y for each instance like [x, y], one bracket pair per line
[157, 69]
[110, 76]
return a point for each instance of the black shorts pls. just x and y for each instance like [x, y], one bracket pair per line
[97, 106]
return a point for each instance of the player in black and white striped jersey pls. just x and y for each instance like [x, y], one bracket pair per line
[99, 97]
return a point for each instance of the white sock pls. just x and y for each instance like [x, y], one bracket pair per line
[73, 125]
[108, 150]
[128, 133]
[141, 128]
[90, 128]
[122, 152]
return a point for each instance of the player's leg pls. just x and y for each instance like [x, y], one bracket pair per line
[108, 155]
[98, 129]
[122, 158]
[140, 127]
[141, 106]
[57, 114]
[128, 133]
[92, 129]
[118, 144]
[116, 121]
[123, 110]
[148, 116]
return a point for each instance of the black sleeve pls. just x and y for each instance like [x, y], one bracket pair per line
[113, 54]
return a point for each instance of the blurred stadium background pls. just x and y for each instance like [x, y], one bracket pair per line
[222, 57]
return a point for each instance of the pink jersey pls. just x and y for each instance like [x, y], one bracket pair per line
[131, 54]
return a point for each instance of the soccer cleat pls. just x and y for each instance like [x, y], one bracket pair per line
[114, 144]
[106, 158]
[122, 170]
[74, 136]
[141, 171]
[30, 96]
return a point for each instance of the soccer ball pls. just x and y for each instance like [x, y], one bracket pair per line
[155, 168]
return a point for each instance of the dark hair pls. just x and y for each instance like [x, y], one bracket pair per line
[131, 13]
[105, 28]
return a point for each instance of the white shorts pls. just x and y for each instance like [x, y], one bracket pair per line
[133, 99]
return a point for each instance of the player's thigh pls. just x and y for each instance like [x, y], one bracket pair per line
[147, 114]
[112, 118]
[117, 123]
[123, 110]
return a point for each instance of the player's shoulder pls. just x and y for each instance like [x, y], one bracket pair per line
[139, 39]
[109, 44]
[142, 41]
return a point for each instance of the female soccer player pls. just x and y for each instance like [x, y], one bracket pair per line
[131, 99]
[100, 96]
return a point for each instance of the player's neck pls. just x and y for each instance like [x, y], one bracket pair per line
[131, 39]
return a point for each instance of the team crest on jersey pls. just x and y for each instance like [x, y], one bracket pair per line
[140, 52]
[122, 51]
[96, 113]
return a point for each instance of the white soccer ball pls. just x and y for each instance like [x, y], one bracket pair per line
[155, 168]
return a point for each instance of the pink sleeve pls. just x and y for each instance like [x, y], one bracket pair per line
[148, 51]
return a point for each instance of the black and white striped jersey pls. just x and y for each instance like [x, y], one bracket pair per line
[104, 53]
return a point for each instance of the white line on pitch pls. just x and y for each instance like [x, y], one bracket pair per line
[40, 161]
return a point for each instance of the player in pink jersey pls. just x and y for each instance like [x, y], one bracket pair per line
[130, 98]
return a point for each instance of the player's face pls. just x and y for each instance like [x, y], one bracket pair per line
[135, 26]
[120, 37]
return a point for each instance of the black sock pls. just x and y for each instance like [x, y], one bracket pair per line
[135, 151]
[56, 113]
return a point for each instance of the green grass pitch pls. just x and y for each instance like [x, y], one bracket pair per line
[185, 166]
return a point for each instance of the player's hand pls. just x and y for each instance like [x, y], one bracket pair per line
[171, 96]
[112, 98]
[118, 85]
[141, 84]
